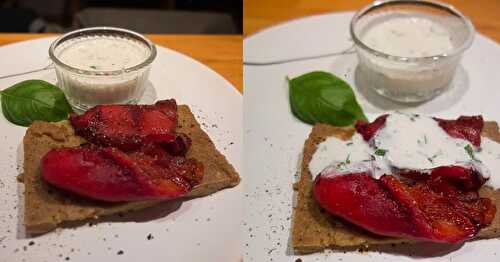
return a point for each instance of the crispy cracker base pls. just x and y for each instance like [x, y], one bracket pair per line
[314, 230]
[46, 206]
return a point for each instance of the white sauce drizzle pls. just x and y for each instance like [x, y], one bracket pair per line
[405, 142]
[347, 155]
[489, 155]
[415, 142]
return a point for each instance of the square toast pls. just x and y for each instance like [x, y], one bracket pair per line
[46, 206]
[314, 229]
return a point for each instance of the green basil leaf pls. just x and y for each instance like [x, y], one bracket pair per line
[320, 97]
[32, 100]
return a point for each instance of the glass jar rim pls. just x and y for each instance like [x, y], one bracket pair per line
[435, 4]
[103, 30]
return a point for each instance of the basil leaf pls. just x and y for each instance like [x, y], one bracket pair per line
[32, 100]
[320, 97]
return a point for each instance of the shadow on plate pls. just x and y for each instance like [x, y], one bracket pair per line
[347, 68]
[144, 215]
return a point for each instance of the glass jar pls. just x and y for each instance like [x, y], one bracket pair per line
[102, 65]
[416, 57]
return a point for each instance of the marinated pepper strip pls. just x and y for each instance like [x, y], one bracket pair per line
[129, 127]
[133, 154]
[414, 210]
[108, 174]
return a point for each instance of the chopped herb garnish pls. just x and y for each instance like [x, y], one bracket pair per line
[470, 151]
[93, 67]
[341, 165]
[424, 141]
[431, 159]
[380, 152]
[349, 144]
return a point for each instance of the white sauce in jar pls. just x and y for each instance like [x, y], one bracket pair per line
[408, 36]
[100, 54]
[103, 54]
[406, 142]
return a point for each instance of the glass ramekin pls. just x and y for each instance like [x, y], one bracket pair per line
[86, 88]
[410, 79]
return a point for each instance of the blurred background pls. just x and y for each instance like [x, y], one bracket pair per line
[144, 16]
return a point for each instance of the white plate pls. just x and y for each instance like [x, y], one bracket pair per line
[203, 229]
[274, 138]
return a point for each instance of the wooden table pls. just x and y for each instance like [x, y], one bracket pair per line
[222, 53]
[259, 14]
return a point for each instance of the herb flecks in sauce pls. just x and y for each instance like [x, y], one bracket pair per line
[470, 152]
[380, 152]
[391, 150]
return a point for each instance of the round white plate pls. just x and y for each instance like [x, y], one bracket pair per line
[203, 229]
[274, 138]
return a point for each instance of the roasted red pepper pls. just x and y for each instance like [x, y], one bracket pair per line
[133, 154]
[367, 129]
[129, 127]
[465, 127]
[108, 174]
[441, 207]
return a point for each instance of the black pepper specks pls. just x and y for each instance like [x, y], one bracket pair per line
[120, 252]
[149, 237]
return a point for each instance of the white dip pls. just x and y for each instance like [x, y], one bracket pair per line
[99, 54]
[407, 35]
[406, 142]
